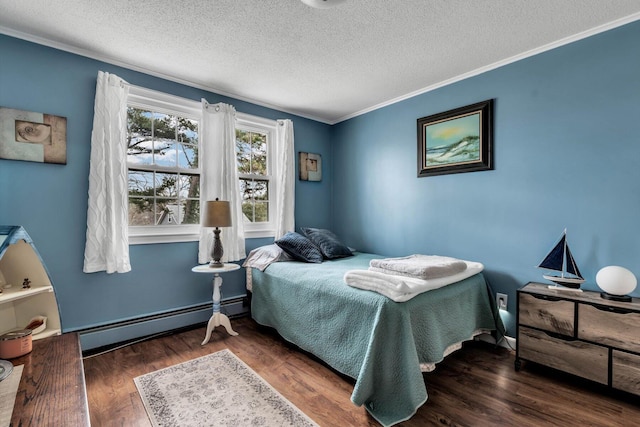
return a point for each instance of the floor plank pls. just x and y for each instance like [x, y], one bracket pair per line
[476, 386]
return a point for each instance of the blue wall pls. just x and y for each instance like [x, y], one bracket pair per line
[50, 201]
[567, 154]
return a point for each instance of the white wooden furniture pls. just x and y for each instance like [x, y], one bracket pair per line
[28, 291]
[217, 318]
[580, 333]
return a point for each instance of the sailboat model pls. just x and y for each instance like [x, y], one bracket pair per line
[560, 260]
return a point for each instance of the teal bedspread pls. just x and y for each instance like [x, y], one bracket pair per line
[365, 335]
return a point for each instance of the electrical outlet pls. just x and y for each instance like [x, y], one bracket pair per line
[501, 301]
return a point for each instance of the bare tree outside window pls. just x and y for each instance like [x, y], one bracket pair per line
[164, 177]
[251, 156]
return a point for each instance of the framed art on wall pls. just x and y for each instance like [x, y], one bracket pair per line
[310, 166]
[34, 137]
[456, 141]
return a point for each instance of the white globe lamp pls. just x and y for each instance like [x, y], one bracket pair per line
[616, 282]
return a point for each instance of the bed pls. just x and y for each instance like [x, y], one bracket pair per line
[384, 345]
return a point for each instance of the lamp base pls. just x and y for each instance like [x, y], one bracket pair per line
[621, 298]
[217, 251]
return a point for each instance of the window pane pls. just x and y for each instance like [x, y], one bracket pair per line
[261, 212]
[139, 137]
[258, 153]
[168, 212]
[189, 186]
[243, 151]
[165, 152]
[187, 131]
[255, 196]
[254, 189]
[140, 211]
[187, 156]
[166, 184]
[140, 183]
[246, 189]
[165, 144]
[165, 126]
[261, 190]
[247, 210]
[190, 211]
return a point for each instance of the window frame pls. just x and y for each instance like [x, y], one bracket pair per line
[248, 122]
[160, 102]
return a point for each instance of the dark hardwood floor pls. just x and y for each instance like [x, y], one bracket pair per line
[475, 386]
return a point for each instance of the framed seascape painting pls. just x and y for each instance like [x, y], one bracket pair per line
[456, 141]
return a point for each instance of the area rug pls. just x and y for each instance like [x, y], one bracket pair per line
[215, 390]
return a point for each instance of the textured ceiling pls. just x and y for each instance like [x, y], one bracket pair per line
[325, 64]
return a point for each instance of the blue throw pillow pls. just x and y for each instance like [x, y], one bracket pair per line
[299, 247]
[329, 244]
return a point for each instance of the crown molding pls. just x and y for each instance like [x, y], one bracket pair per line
[104, 58]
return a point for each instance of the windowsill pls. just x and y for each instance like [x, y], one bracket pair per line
[178, 236]
[146, 239]
[255, 234]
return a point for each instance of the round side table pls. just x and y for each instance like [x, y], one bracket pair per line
[217, 318]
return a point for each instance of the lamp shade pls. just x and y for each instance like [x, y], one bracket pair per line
[616, 280]
[217, 214]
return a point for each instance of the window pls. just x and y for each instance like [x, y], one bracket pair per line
[255, 156]
[163, 167]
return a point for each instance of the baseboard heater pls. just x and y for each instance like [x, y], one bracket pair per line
[117, 333]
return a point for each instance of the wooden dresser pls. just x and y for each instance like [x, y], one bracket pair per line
[580, 333]
[52, 389]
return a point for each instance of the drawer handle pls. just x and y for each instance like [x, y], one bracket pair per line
[613, 309]
[559, 336]
[546, 297]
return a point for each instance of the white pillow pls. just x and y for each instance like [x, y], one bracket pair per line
[264, 256]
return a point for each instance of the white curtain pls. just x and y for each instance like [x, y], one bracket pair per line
[219, 178]
[285, 177]
[107, 245]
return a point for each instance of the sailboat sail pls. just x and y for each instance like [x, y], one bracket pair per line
[571, 265]
[561, 260]
[555, 258]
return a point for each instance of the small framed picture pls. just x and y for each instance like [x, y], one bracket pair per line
[32, 137]
[310, 166]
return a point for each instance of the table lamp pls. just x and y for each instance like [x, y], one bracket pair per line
[616, 282]
[218, 214]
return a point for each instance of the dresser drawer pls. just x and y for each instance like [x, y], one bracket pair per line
[609, 326]
[575, 357]
[548, 313]
[625, 372]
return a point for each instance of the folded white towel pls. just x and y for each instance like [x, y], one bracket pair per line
[403, 288]
[419, 266]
